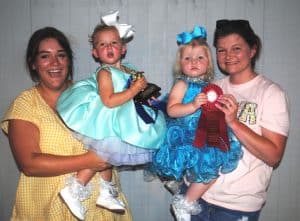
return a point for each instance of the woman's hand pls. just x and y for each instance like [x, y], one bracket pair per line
[96, 163]
[229, 106]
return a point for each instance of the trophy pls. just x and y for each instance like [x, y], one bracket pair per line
[152, 90]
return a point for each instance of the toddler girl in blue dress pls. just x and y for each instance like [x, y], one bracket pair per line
[102, 114]
[178, 157]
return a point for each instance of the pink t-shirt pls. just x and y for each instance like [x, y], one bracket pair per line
[262, 103]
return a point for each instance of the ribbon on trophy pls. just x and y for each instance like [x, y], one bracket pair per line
[212, 128]
[145, 96]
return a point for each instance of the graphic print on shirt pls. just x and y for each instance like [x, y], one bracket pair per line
[247, 113]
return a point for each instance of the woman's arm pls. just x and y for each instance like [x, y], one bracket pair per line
[112, 99]
[269, 146]
[24, 141]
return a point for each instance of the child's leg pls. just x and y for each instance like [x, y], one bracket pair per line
[196, 190]
[106, 175]
[185, 206]
[84, 176]
[108, 196]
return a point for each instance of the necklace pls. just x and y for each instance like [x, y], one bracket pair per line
[191, 79]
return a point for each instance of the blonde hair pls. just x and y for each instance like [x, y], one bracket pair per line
[194, 43]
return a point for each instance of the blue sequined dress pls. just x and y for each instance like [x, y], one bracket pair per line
[118, 135]
[177, 157]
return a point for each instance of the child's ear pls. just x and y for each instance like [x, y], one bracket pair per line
[124, 49]
[94, 53]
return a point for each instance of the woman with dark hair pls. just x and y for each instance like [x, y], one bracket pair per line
[257, 111]
[44, 148]
[33, 50]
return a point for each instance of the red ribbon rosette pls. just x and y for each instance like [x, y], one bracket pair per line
[212, 128]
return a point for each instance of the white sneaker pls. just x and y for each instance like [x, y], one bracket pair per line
[73, 203]
[181, 214]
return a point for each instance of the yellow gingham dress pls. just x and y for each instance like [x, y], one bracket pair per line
[37, 198]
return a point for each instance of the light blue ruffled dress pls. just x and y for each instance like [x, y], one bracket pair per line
[118, 135]
[177, 157]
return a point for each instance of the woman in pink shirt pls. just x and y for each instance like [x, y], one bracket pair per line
[257, 111]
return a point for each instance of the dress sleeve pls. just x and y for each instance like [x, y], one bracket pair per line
[21, 108]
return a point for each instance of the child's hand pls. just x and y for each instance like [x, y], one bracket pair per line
[199, 100]
[138, 85]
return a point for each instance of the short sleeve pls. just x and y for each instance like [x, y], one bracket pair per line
[276, 114]
[20, 108]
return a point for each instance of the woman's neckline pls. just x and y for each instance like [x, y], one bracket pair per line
[50, 97]
[237, 80]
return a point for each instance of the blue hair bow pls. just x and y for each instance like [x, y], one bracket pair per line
[187, 37]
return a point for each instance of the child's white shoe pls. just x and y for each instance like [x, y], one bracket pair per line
[108, 197]
[183, 209]
[73, 194]
[181, 214]
[73, 203]
[110, 203]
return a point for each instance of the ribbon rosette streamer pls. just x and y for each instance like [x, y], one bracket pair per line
[145, 98]
[112, 19]
[187, 37]
[212, 128]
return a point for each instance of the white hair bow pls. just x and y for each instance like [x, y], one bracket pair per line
[112, 19]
